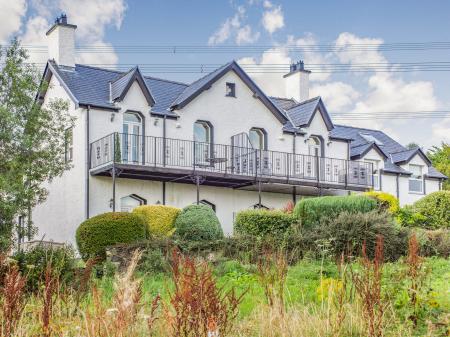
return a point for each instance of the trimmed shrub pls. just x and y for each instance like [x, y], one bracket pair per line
[433, 242]
[434, 210]
[386, 201]
[198, 223]
[347, 232]
[34, 261]
[261, 222]
[311, 210]
[407, 217]
[101, 231]
[160, 219]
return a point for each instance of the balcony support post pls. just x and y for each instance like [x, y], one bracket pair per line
[259, 194]
[294, 194]
[197, 183]
[163, 192]
[113, 173]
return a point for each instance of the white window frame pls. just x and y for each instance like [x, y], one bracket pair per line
[375, 172]
[417, 176]
[315, 146]
[68, 145]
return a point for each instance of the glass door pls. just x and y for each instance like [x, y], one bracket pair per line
[132, 134]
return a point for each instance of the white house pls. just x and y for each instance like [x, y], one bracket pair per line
[220, 141]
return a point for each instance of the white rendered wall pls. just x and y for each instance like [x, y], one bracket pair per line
[229, 115]
[228, 201]
[297, 86]
[58, 217]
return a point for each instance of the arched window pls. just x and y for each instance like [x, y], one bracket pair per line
[202, 132]
[203, 142]
[130, 202]
[209, 204]
[314, 146]
[132, 132]
[258, 138]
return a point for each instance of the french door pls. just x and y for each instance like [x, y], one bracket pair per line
[132, 138]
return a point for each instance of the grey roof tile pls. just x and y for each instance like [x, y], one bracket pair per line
[392, 168]
[433, 173]
[283, 103]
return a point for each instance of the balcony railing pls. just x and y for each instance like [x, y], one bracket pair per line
[226, 159]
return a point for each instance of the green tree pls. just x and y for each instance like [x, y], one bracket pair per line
[412, 145]
[32, 140]
[440, 157]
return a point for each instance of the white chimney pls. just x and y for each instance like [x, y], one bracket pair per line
[297, 82]
[61, 42]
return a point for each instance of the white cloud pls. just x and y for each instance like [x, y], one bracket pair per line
[11, 14]
[93, 16]
[271, 83]
[233, 27]
[441, 131]
[348, 53]
[267, 4]
[273, 18]
[91, 27]
[246, 35]
[337, 95]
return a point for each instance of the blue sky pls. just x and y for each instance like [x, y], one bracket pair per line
[268, 23]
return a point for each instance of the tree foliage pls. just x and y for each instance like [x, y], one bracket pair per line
[31, 139]
[440, 157]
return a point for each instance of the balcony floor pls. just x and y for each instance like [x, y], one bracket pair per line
[220, 179]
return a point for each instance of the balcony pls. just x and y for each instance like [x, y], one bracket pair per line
[185, 161]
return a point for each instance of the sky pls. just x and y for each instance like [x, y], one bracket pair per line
[269, 24]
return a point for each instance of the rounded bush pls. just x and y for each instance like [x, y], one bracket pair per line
[311, 210]
[434, 210]
[261, 222]
[386, 201]
[160, 219]
[198, 223]
[101, 231]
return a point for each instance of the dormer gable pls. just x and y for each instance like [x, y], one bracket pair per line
[303, 113]
[120, 86]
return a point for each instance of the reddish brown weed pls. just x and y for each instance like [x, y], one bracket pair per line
[197, 304]
[367, 284]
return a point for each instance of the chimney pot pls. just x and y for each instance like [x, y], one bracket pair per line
[297, 82]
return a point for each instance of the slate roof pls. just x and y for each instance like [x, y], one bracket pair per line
[433, 173]
[302, 113]
[283, 103]
[405, 156]
[90, 86]
[390, 167]
[354, 134]
[359, 151]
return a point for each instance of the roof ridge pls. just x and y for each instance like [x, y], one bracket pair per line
[406, 150]
[124, 74]
[165, 80]
[359, 128]
[284, 98]
[102, 69]
[304, 102]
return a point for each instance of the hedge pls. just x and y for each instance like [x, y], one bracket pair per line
[433, 210]
[101, 231]
[346, 233]
[160, 219]
[261, 222]
[198, 223]
[311, 210]
[385, 201]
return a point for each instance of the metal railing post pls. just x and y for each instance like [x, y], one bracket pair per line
[317, 170]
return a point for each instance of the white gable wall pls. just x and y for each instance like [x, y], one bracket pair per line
[229, 115]
[64, 208]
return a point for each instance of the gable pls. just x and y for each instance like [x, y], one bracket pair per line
[134, 99]
[203, 84]
[119, 88]
[317, 125]
[374, 154]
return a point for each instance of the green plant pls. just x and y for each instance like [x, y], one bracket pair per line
[433, 242]
[260, 222]
[101, 231]
[434, 209]
[347, 233]
[312, 210]
[406, 216]
[34, 262]
[385, 200]
[160, 219]
[198, 223]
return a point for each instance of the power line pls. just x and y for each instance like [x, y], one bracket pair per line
[317, 68]
[179, 49]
